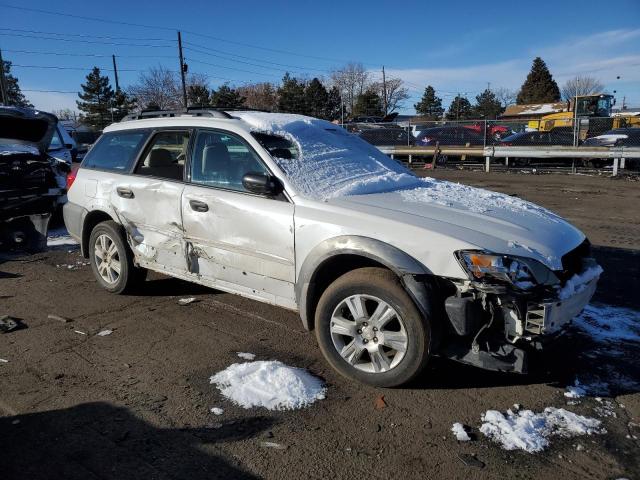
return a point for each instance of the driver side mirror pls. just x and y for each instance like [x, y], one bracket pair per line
[262, 184]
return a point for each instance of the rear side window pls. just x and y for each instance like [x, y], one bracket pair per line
[115, 151]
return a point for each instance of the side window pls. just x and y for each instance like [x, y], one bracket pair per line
[221, 159]
[165, 157]
[115, 151]
[56, 141]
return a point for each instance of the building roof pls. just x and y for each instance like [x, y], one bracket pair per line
[534, 109]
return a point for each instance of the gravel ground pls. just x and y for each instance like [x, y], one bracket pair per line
[136, 403]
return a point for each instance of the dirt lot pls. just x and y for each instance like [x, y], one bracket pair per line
[135, 404]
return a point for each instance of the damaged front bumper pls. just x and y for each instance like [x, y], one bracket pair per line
[499, 330]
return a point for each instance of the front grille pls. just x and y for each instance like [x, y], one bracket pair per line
[573, 261]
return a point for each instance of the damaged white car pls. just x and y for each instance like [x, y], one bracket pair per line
[389, 269]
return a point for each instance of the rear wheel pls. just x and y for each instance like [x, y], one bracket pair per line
[369, 329]
[111, 260]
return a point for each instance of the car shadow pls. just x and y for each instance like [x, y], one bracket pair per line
[162, 286]
[620, 283]
[104, 441]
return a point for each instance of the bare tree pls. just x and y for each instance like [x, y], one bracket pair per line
[351, 80]
[581, 85]
[505, 96]
[65, 114]
[158, 87]
[261, 96]
[395, 93]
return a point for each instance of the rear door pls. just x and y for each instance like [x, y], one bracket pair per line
[236, 240]
[147, 202]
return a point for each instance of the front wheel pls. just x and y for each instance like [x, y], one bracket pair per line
[369, 329]
[111, 260]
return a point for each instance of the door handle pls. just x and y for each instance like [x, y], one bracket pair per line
[198, 206]
[125, 192]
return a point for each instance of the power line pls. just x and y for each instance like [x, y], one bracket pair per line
[67, 54]
[233, 68]
[24, 35]
[57, 67]
[249, 58]
[46, 91]
[83, 35]
[157, 27]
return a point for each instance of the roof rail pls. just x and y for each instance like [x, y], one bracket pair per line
[191, 111]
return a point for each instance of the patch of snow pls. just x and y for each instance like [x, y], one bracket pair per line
[542, 108]
[104, 333]
[575, 390]
[578, 282]
[608, 324]
[529, 431]
[4, 360]
[611, 136]
[217, 411]
[460, 432]
[473, 199]
[269, 384]
[246, 355]
[186, 301]
[79, 332]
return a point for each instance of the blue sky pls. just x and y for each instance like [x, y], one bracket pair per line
[456, 46]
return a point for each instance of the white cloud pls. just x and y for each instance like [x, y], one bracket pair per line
[48, 101]
[605, 55]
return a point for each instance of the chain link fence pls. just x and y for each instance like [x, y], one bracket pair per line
[560, 132]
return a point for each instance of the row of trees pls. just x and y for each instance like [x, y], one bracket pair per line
[349, 92]
[488, 106]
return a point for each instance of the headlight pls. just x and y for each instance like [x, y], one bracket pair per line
[488, 267]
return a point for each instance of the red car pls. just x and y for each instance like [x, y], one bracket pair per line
[493, 131]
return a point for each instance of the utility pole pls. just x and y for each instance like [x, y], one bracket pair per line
[183, 70]
[115, 72]
[4, 100]
[384, 92]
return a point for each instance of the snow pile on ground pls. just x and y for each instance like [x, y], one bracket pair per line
[269, 384]
[331, 162]
[460, 432]
[58, 237]
[579, 281]
[608, 324]
[529, 431]
[246, 355]
[575, 391]
[476, 200]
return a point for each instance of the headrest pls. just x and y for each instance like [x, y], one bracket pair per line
[160, 157]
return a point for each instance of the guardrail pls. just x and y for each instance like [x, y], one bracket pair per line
[618, 154]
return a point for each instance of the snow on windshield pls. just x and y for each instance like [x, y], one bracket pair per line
[331, 162]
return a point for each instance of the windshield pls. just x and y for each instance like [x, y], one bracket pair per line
[322, 160]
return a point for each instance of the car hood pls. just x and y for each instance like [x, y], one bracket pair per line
[491, 221]
[21, 127]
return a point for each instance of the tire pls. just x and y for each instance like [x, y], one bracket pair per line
[109, 237]
[363, 290]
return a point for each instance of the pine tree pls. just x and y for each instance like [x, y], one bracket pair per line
[539, 87]
[334, 105]
[460, 109]
[291, 95]
[198, 96]
[368, 104]
[316, 98]
[487, 105]
[123, 105]
[15, 97]
[429, 105]
[226, 97]
[97, 100]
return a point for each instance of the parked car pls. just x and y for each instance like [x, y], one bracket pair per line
[449, 136]
[618, 137]
[84, 140]
[389, 269]
[386, 135]
[494, 131]
[558, 136]
[32, 181]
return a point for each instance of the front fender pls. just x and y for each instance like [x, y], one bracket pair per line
[399, 262]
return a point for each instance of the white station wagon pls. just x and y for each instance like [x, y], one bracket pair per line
[387, 268]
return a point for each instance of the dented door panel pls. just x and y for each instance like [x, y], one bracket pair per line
[149, 210]
[242, 242]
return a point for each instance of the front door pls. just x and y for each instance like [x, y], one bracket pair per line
[235, 240]
[148, 203]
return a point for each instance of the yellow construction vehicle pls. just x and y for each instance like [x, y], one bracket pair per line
[593, 113]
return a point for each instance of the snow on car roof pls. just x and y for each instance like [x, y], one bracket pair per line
[331, 162]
